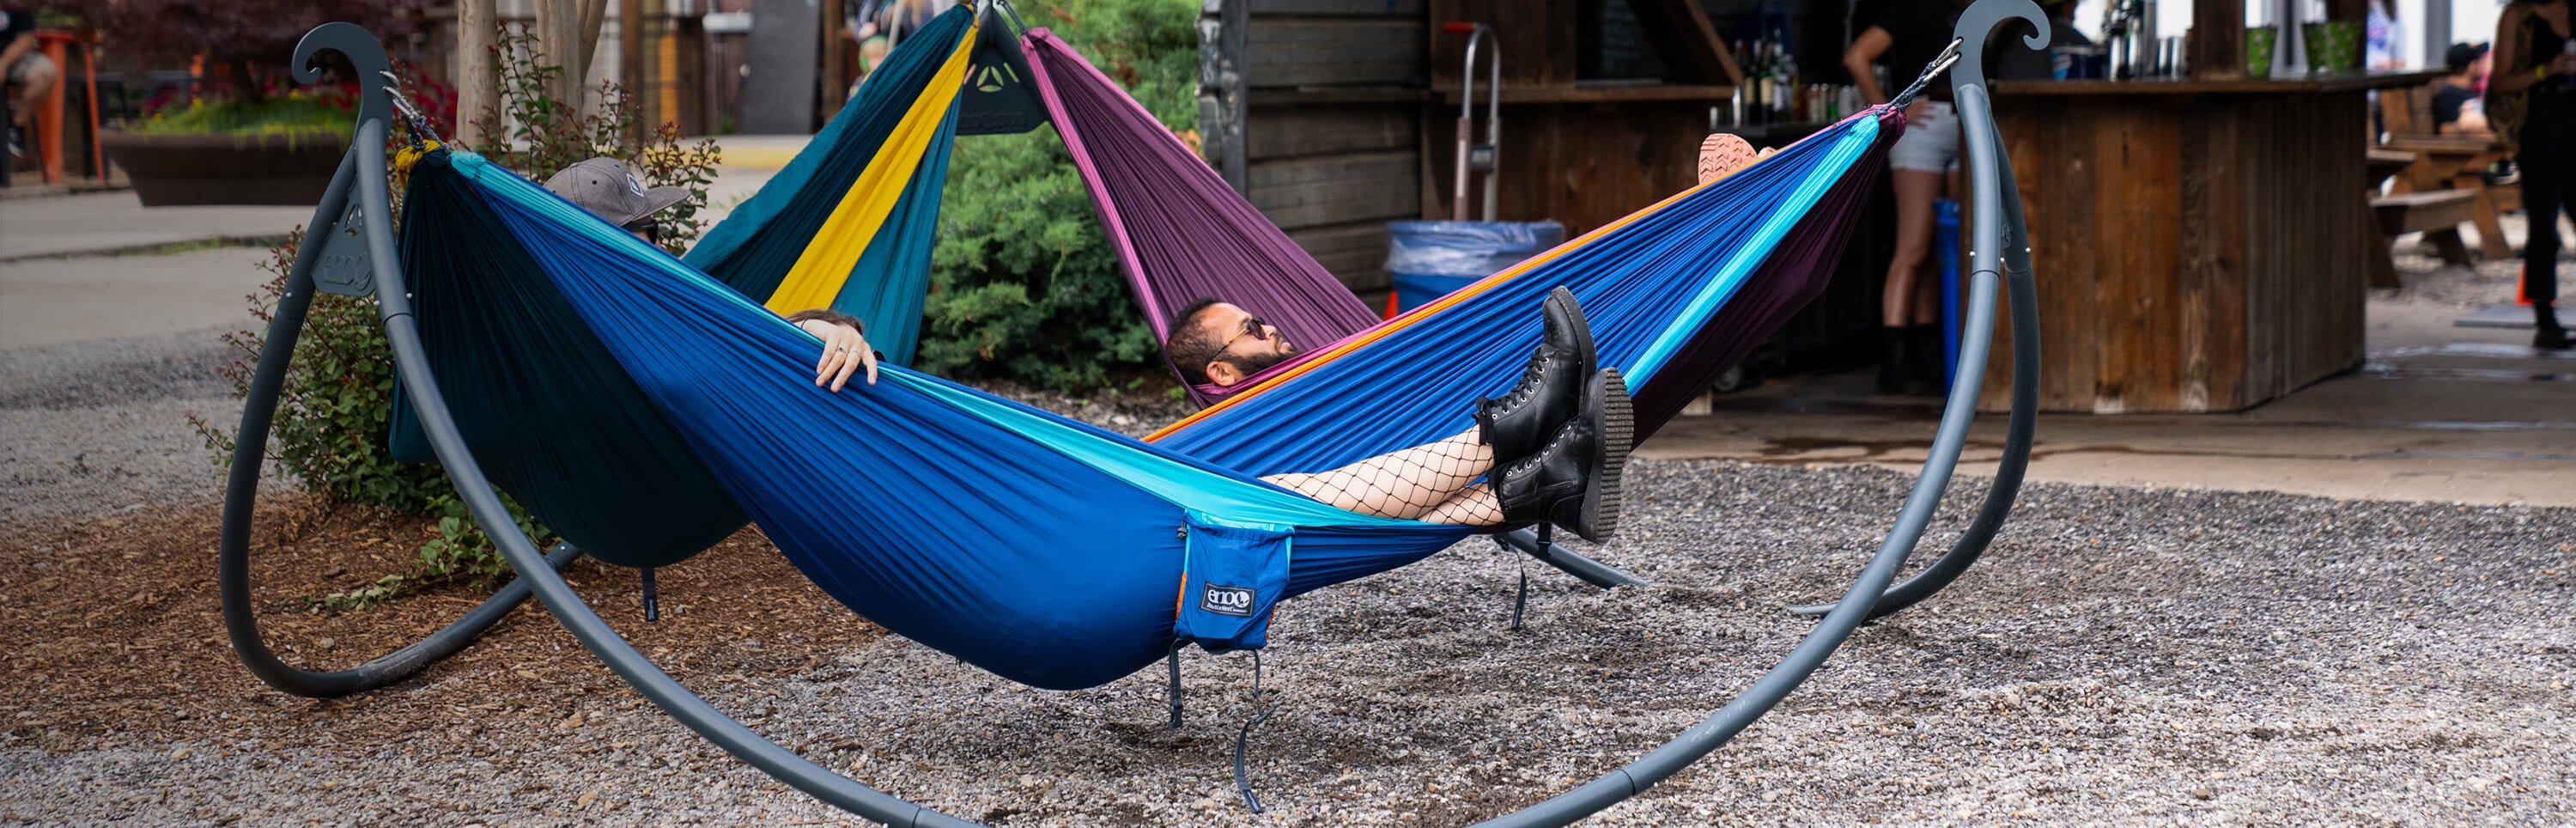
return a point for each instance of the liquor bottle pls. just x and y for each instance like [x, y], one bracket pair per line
[1788, 77]
[1759, 77]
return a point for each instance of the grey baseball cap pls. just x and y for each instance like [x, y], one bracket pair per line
[606, 187]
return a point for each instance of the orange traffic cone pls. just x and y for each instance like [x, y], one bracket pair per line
[2521, 295]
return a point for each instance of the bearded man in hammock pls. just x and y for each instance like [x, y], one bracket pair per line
[1555, 446]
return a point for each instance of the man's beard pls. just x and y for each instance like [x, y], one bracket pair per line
[1250, 365]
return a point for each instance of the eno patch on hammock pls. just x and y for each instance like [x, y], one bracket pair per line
[1231, 574]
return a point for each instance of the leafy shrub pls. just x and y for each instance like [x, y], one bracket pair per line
[338, 395]
[329, 431]
[1024, 285]
[539, 136]
[245, 43]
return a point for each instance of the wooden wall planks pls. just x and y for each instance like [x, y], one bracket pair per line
[1304, 51]
[1329, 161]
[1583, 164]
[1536, 40]
[2193, 252]
[1294, 131]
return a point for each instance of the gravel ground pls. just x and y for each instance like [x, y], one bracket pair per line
[103, 425]
[2124, 655]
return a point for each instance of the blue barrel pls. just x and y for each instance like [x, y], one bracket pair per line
[1429, 259]
[1945, 249]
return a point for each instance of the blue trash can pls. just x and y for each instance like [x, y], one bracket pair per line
[1945, 248]
[1429, 259]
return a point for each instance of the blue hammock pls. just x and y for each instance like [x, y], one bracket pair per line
[541, 402]
[1650, 287]
[1044, 550]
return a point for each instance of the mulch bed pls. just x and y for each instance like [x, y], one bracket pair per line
[113, 626]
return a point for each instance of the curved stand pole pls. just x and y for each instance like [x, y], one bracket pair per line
[786, 766]
[1858, 601]
[1997, 233]
[403, 332]
[241, 491]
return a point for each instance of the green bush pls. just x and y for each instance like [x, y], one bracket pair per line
[1023, 283]
[337, 399]
[329, 431]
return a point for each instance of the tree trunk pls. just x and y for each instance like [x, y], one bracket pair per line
[593, 12]
[559, 35]
[478, 79]
[631, 68]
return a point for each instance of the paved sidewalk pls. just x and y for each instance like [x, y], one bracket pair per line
[2437, 413]
[99, 222]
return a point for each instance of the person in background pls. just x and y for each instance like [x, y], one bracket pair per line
[606, 187]
[1907, 36]
[30, 73]
[878, 24]
[861, 28]
[2381, 37]
[2531, 100]
[2456, 107]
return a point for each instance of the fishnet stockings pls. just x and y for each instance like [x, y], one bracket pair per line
[1432, 482]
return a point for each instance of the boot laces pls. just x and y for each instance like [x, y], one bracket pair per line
[1533, 377]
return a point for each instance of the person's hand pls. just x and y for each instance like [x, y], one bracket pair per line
[867, 30]
[1919, 113]
[2563, 64]
[844, 351]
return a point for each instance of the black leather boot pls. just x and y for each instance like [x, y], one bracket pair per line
[1573, 481]
[1896, 365]
[2546, 333]
[1551, 388]
[1925, 352]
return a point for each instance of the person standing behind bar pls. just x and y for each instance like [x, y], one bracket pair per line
[1907, 36]
[2531, 100]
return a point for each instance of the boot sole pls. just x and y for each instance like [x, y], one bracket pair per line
[1617, 429]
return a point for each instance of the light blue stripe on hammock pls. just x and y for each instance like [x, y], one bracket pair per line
[1740, 265]
[1235, 498]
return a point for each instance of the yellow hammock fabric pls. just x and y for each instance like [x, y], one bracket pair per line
[826, 263]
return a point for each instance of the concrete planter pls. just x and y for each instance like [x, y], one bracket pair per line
[226, 169]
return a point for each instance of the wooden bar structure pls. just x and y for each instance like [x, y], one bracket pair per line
[1348, 110]
[2200, 242]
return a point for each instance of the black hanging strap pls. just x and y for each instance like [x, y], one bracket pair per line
[1260, 713]
[652, 597]
[1173, 697]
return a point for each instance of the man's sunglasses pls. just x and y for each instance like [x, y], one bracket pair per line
[649, 228]
[1252, 327]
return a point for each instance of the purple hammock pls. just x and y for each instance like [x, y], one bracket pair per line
[1180, 233]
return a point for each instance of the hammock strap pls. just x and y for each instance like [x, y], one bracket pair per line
[1260, 713]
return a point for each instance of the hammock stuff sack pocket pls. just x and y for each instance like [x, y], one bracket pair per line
[1231, 575]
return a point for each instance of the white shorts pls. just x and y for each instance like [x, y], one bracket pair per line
[1930, 143]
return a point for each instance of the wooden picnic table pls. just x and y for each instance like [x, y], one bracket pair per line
[2200, 243]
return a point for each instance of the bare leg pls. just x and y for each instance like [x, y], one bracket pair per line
[1914, 193]
[1407, 485]
[39, 81]
[1474, 506]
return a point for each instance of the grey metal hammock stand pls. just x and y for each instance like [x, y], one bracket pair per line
[343, 235]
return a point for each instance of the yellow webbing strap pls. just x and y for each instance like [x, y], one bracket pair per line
[820, 271]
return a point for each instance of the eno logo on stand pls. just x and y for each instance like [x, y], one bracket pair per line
[1226, 600]
[342, 266]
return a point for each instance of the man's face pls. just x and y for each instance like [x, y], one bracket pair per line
[1250, 344]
